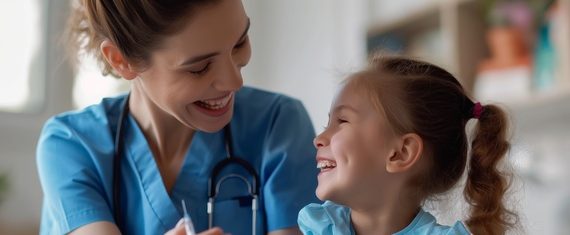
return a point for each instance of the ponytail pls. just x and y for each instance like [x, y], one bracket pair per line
[85, 33]
[486, 185]
[419, 97]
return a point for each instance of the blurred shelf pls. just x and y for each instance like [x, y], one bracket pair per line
[410, 22]
[539, 99]
[542, 109]
[428, 15]
[460, 29]
[451, 33]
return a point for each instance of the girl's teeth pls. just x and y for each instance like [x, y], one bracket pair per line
[323, 164]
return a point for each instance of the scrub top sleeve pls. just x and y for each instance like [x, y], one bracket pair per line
[73, 191]
[289, 168]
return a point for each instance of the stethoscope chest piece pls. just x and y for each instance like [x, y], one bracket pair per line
[214, 184]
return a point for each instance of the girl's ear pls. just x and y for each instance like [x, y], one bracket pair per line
[409, 150]
[115, 58]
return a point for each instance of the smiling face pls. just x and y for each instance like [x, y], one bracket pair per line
[195, 73]
[352, 150]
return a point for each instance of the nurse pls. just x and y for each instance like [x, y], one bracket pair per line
[183, 60]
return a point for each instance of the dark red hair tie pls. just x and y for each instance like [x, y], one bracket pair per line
[477, 110]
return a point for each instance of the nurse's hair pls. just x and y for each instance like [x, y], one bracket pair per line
[136, 27]
[418, 97]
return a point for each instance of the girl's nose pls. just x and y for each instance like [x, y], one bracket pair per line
[320, 141]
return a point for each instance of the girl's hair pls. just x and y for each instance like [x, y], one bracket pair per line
[418, 97]
[136, 27]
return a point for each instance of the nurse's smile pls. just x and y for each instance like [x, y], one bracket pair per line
[215, 107]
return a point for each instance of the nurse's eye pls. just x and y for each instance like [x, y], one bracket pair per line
[200, 70]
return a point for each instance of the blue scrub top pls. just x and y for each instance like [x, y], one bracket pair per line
[272, 132]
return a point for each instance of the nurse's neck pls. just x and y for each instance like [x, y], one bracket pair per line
[168, 138]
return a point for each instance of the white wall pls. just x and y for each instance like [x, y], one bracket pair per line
[19, 132]
[304, 48]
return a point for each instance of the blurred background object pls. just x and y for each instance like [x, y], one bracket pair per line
[512, 52]
[515, 52]
[508, 37]
[4, 186]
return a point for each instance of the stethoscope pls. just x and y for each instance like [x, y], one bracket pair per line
[214, 183]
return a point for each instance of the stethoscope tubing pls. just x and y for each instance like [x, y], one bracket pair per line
[213, 184]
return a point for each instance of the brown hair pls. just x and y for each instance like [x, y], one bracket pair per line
[135, 26]
[418, 97]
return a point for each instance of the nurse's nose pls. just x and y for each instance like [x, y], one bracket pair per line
[230, 79]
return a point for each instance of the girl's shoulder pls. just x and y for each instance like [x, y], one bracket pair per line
[324, 219]
[330, 218]
[426, 224]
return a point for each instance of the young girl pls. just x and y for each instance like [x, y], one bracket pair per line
[396, 137]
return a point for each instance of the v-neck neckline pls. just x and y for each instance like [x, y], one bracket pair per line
[150, 178]
[207, 147]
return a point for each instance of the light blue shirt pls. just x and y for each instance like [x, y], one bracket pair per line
[333, 219]
[75, 163]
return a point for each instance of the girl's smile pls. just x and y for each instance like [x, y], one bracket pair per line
[325, 165]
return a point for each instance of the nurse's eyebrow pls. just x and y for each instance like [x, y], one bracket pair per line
[208, 55]
[199, 58]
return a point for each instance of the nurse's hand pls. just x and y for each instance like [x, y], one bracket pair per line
[179, 230]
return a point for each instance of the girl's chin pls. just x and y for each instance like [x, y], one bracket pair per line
[335, 195]
[323, 194]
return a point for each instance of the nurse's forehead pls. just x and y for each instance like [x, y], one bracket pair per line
[209, 29]
[200, 57]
